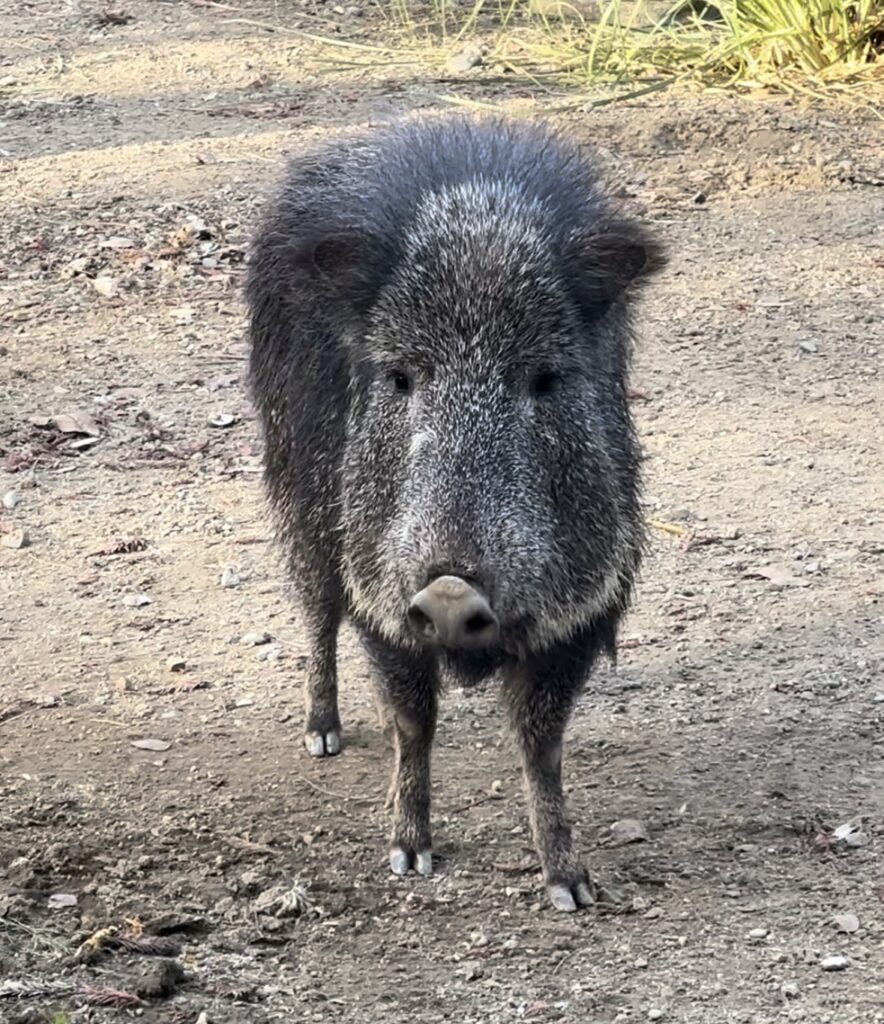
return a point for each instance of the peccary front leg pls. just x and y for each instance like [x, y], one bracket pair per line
[322, 732]
[408, 688]
[540, 699]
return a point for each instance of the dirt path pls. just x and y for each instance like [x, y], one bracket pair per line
[745, 722]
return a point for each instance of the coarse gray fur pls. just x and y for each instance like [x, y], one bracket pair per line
[440, 325]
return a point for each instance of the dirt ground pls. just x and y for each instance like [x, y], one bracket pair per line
[141, 598]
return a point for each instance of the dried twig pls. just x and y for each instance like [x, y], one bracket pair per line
[246, 844]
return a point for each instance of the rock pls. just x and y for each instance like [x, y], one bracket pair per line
[757, 933]
[160, 979]
[847, 923]
[254, 639]
[16, 540]
[175, 664]
[629, 830]
[136, 600]
[834, 963]
[465, 61]
[229, 579]
[105, 286]
[11, 499]
[789, 990]
[655, 1014]
[61, 900]
[223, 420]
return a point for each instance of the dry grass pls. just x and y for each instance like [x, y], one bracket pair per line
[613, 49]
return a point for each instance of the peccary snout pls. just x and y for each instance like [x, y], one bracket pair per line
[454, 613]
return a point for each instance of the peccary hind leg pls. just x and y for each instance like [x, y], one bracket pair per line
[540, 695]
[322, 733]
[408, 689]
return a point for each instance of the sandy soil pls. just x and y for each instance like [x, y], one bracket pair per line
[743, 727]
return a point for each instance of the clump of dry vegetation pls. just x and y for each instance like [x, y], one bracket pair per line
[629, 48]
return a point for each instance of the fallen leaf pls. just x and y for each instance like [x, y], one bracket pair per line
[674, 528]
[113, 997]
[149, 744]
[60, 900]
[847, 923]
[779, 575]
[84, 442]
[122, 546]
[77, 422]
[850, 833]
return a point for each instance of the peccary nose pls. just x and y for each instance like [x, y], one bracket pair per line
[452, 612]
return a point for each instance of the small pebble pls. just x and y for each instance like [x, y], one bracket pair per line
[655, 1014]
[230, 579]
[789, 990]
[136, 600]
[834, 963]
[105, 286]
[629, 830]
[11, 499]
[758, 933]
[465, 61]
[254, 639]
[175, 664]
[641, 962]
[16, 540]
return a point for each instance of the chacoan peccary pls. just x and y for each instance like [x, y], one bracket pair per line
[441, 331]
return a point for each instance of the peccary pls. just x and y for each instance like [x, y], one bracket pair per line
[440, 327]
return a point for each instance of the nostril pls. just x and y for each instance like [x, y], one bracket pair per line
[478, 622]
[420, 622]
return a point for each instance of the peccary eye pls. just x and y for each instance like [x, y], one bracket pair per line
[402, 383]
[544, 384]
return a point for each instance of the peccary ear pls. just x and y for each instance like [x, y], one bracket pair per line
[345, 263]
[610, 258]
